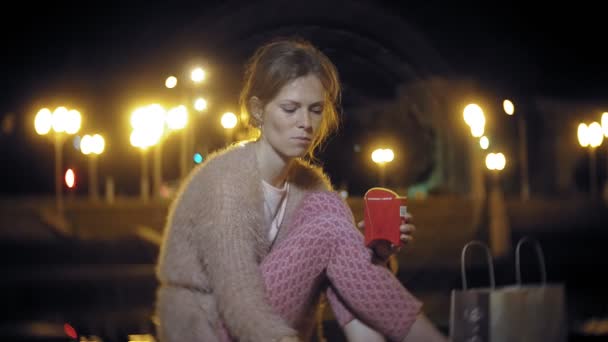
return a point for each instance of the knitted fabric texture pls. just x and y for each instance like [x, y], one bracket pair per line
[324, 245]
[213, 244]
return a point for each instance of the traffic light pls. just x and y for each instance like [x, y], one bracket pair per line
[198, 158]
[70, 178]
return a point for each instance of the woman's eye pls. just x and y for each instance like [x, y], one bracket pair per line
[317, 110]
[289, 109]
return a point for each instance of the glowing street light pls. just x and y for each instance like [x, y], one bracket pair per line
[381, 157]
[171, 82]
[474, 117]
[177, 119]
[495, 161]
[508, 107]
[596, 137]
[229, 120]
[43, 121]
[591, 136]
[477, 130]
[582, 134]
[62, 122]
[73, 121]
[604, 122]
[197, 75]
[200, 104]
[92, 146]
[498, 225]
[484, 143]
[148, 127]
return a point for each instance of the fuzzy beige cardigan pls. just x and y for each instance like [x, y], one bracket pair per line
[214, 241]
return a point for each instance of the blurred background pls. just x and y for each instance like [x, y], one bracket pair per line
[490, 118]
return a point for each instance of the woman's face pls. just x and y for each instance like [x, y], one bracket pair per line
[291, 120]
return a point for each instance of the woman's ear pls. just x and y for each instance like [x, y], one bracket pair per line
[256, 109]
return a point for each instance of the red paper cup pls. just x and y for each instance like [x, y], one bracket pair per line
[384, 212]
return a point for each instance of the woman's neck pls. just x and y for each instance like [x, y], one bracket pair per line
[273, 166]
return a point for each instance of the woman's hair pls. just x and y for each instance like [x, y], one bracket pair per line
[277, 63]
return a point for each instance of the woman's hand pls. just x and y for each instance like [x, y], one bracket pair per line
[384, 249]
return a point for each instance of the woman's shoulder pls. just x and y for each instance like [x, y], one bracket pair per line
[310, 176]
[235, 153]
[226, 161]
[222, 167]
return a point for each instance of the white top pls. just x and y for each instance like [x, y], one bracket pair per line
[275, 200]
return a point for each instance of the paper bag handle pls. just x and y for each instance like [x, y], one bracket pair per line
[539, 254]
[463, 262]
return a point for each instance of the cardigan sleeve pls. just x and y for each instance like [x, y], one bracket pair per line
[228, 250]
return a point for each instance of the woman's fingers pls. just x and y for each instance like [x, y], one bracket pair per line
[407, 231]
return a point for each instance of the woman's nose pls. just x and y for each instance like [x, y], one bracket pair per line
[304, 119]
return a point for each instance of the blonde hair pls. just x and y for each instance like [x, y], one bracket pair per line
[278, 62]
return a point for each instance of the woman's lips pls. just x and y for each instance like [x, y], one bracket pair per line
[302, 140]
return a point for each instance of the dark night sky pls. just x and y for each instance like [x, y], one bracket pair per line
[563, 43]
[97, 47]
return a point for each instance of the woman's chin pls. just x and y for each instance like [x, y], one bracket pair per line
[295, 153]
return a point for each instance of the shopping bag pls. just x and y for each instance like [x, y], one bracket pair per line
[516, 313]
[542, 306]
[470, 308]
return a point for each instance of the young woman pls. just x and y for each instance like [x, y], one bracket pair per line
[256, 234]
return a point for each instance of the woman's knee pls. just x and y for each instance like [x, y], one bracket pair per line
[325, 205]
[324, 219]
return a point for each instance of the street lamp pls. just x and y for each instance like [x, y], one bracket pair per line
[604, 121]
[484, 142]
[229, 121]
[171, 82]
[591, 136]
[157, 118]
[495, 161]
[381, 157]
[475, 119]
[177, 119]
[200, 104]
[509, 109]
[62, 122]
[92, 146]
[197, 76]
[499, 228]
[148, 127]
